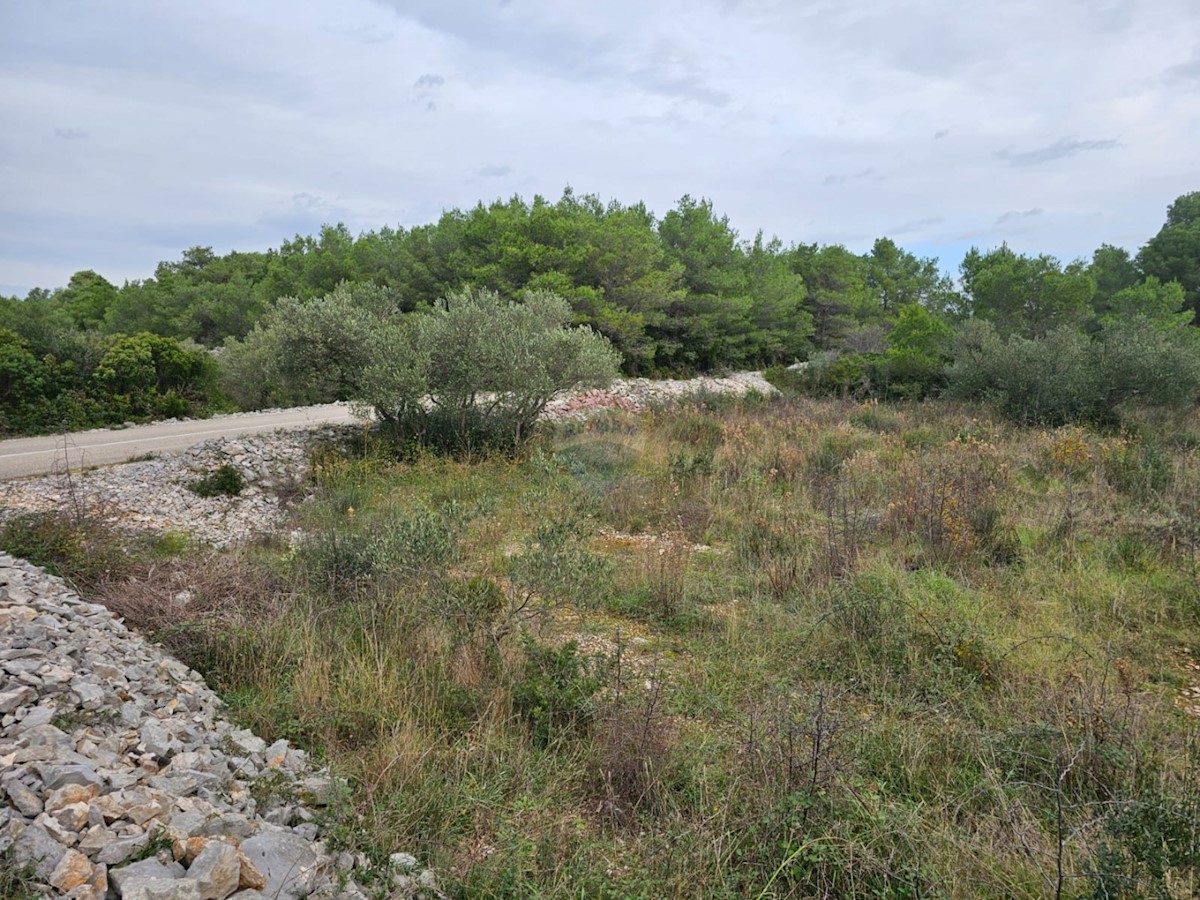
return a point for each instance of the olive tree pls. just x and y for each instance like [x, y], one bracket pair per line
[1068, 377]
[303, 351]
[475, 372]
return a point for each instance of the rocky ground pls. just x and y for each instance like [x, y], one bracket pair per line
[120, 777]
[153, 494]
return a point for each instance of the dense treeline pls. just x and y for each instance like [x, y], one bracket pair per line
[675, 294]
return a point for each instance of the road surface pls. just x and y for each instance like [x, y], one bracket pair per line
[21, 457]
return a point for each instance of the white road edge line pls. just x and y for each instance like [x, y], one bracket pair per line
[141, 440]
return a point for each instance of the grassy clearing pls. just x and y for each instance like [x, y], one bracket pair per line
[753, 650]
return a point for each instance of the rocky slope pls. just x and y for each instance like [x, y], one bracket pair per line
[120, 777]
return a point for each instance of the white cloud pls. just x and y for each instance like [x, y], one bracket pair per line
[136, 128]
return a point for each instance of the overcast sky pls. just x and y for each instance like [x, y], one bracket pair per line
[133, 129]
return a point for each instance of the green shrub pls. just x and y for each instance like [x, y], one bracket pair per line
[1067, 377]
[474, 374]
[1151, 843]
[844, 375]
[785, 379]
[145, 376]
[224, 481]
[556, 691]
[425, 542]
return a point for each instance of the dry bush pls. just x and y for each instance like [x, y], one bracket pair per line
[664, 567]
[1183, 503]
[776, 543]
[847, 492]
[634, 745]
[224, 589]
[634, 503]
[950, 499]
[693, 516]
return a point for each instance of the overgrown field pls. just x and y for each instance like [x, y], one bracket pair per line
[789, 649]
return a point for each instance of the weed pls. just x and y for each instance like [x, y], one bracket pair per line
[1137, 468]
[224, 481]
[837, 698]
[17, 881]
[83, 718]
[80, 548]
[556, 690]
[159, 842]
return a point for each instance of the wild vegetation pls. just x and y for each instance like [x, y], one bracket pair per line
[789, 648]
[926, 625]
[678, 294]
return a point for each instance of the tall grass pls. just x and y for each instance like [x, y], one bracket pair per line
[798, 649]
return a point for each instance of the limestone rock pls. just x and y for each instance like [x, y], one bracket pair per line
[35, 845]
[287, 862]
[216, 871]
[72, 871]
[25, 800]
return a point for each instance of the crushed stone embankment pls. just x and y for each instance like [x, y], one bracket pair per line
[120, 777]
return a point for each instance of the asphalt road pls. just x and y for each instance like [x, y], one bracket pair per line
[22, 457]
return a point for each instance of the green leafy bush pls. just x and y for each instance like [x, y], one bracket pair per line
[1068, 377]
[225, 481]
[303, 351]
[556, 691]
[149, 376]
[474, 374]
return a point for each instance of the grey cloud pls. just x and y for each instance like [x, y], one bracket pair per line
[363, 34]
[684, 87]
[302, 212]
[916, 225]
[304, 202]
[495, 171]
[1060, 149]
[830, 180]
[110, 42]
[525, 39]
[1014, 214]
[529, 41]
[1188, 71]
[70, 134]
[1113, 18]
[615, 97]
